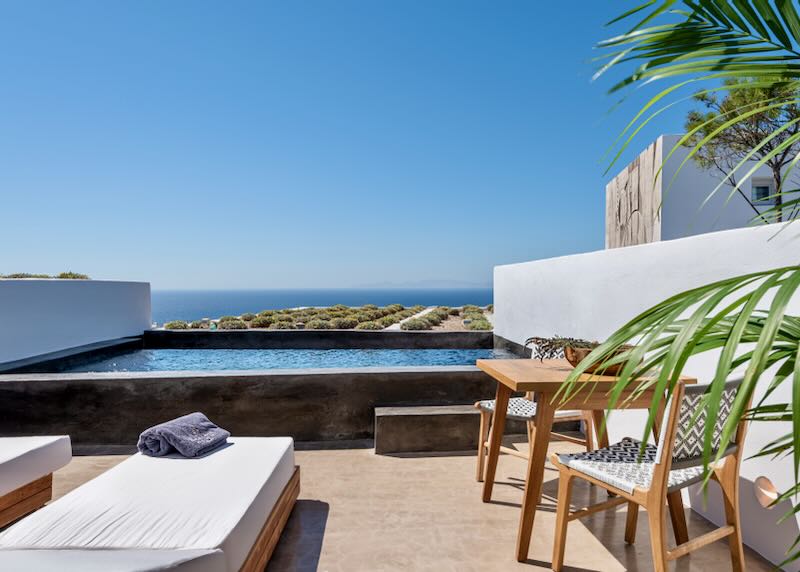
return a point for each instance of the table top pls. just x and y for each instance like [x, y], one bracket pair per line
[543, 376]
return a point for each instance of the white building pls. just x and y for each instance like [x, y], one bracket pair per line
[643, 205]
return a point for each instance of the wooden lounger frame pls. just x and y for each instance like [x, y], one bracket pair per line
[268, 537]
[25, 499]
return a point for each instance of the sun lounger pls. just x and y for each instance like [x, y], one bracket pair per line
[222, 512]
[26, 473]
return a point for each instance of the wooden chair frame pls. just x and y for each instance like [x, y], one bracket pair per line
[654, 500]
[587, 417]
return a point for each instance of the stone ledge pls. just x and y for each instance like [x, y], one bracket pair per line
[314, 339]
[437, 428]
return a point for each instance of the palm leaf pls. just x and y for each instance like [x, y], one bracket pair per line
[682, 45]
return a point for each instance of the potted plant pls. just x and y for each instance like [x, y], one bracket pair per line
[574, 350]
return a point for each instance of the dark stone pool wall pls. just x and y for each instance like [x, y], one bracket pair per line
[314, 339]
[309, 405]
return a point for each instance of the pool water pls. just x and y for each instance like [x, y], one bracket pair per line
[208, 360]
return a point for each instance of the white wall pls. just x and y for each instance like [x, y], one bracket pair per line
[683, 213]
[42, 316]
[590, 295]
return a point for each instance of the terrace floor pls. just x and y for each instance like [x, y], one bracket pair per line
[364, 512]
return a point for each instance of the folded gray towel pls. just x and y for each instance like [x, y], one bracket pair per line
[192, 435]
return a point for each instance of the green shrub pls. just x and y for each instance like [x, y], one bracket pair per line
[283, 325]
[416, 309]
[176, 325]
[395, 308]
[232, 325]
[338, 308]
[344, 323]
[387, 321]
[440, 313]
[474, 316]
[471, 308]
[369, 307]
[433, 317]
[369, 326]
[199, 325]
[248, 317]
[261, 322]
[318, 325]
[455, 311]
[69, 275]
[480, 324]
[266, 313]
[416, 324]
[363, 317]
[490, 308]
[228, 318]
[26, 275]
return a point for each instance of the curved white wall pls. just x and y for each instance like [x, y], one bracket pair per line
[43, 316]
[590, 295]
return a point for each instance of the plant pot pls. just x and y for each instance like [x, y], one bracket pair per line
[575, 356]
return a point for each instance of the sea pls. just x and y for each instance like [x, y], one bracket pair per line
[197, 304]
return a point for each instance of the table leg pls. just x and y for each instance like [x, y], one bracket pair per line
[599, 417]
[545, 412]
[495, 438]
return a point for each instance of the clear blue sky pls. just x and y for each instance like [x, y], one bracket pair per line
[302, 144]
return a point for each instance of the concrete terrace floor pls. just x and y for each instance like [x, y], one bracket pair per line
[359, 511]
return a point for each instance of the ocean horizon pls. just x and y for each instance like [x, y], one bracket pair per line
[197, 304]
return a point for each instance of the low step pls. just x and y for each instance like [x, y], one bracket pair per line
[422, 429]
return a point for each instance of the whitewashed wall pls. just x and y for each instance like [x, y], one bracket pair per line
[590, 295]
[43, 316]
[684, 190]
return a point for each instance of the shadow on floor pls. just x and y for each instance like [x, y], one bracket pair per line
[300, 545]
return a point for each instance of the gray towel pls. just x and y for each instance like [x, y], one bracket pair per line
[192, 435]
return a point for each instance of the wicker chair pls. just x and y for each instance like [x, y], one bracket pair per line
[646, 480]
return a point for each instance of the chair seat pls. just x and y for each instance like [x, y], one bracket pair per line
[521, 409]
[621, 466]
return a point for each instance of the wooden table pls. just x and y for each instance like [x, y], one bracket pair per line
[545, 378]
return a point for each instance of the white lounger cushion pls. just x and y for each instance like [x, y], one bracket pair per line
[25, 459]
[220, 501]
[113, 560]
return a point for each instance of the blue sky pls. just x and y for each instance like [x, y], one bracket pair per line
[302, 144]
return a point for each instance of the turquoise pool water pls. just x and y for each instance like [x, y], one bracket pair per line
[208, 360]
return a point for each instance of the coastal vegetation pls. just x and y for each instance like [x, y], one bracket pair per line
[472, 318]
[341, 317]
[69, 275]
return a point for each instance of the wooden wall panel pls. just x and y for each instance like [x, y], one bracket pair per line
[633, 201]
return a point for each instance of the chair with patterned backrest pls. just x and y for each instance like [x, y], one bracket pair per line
[524, 409]
[645, 477]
